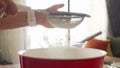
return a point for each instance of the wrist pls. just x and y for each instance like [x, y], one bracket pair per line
[41, 17]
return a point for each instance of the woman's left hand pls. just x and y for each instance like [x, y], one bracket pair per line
[44, 21]
[54, 8]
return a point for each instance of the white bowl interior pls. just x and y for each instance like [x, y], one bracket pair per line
[63, 53]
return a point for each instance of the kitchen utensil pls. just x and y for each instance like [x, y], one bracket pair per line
[65, 19]
[90, 37]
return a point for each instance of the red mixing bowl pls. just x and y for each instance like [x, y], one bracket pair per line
[62, 58]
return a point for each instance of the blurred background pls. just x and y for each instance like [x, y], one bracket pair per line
[14, 40]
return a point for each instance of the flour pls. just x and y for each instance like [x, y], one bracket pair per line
[64, 22]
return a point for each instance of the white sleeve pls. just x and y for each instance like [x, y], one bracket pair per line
[31, 19]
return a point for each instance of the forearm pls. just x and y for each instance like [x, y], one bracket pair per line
[18, 20]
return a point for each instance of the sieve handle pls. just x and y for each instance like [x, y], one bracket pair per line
[90, 37]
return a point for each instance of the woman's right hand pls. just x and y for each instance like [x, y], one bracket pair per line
[8, 7]
[3, 7]
[11, 8]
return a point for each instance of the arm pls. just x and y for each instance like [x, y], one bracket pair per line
[20, 19]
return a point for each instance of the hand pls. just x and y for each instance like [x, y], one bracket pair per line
[7, 6]
[2, 7]
[44, 20]
[11, 8]
[54, 8]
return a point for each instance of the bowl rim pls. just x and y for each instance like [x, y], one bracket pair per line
[22, 53]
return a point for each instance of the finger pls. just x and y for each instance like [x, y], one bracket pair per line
[11, 7]
[2, 6]
[55, 7]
